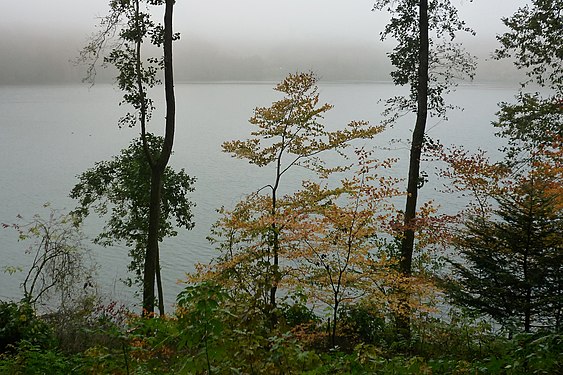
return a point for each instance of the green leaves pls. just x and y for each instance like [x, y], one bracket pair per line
[511, 263]
[535, 40]
[201, 319]
[448, 63]
[528, 125]
[120, 187]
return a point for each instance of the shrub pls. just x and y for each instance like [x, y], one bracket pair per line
[297, 314]
[18, 322]
[363, 323]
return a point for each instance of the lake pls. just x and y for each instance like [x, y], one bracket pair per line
[50, 134]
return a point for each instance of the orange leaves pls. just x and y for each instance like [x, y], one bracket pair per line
[485, 181]
[472, 170]
[472, 173]
[336, 243]
[547, 170]
[333, 239]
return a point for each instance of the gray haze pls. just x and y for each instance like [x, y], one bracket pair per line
[226, 40]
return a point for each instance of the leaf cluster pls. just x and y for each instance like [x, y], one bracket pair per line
[120, 187]
[535, 42]
[529, 125]
[291, 128]
[448, 62]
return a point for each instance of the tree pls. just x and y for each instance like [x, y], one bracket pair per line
[59, 271]
[288, 134]
[512, 265]
[429, 67]
[122, 186]
[245, 266]
[335, 243]
[535, 42]
[136, 75]
[513, 255]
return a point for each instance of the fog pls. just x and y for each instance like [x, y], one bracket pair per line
[41, 59]
[248, 40]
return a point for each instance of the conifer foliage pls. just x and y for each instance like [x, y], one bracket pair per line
[513, 264]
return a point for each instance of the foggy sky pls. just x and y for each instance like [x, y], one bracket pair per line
[233, 40]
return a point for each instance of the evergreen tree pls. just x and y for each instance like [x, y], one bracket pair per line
[512, 265]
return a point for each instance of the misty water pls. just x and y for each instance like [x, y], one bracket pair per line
[50, 134]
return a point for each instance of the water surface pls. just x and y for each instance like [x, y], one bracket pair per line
[50, 134]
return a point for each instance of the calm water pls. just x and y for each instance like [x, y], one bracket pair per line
[50, 134]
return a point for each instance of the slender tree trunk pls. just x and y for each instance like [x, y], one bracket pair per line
[275, 264]
[334, 318]
[407, 246]
[276, 277]
[152, 243]
[159, 285]
[158, 168]
[168, 87]
[525, 266]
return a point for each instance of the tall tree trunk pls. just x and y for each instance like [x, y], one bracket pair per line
[407, 246]
[160, 165]
[168, 87]
[276, 277]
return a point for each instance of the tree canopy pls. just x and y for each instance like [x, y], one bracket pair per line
[120, 188]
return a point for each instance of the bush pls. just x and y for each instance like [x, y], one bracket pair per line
[364, 324]
[297, 314]
[31, 360]
[18, 322]
[532, 354]
[88, 324]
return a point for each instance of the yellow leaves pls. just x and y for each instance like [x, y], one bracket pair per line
[330, 238]
[296, 84]
[390, 291]
[251, 150]
[289, 132]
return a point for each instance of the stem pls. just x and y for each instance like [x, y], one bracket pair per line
[159, 285]
[407, 246]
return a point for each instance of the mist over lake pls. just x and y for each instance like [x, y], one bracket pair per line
[50, 134]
